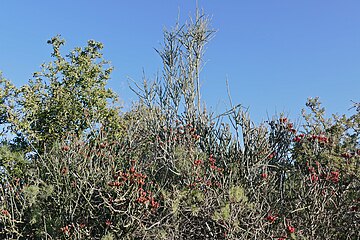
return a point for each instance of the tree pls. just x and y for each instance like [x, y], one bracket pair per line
[68, 96]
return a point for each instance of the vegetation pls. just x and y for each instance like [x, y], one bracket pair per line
[79, 168]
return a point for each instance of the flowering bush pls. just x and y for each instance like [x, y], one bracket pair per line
[168, 169]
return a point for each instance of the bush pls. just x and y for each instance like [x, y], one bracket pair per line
[168, 169]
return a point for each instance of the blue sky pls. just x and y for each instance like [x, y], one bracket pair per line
[275, 54]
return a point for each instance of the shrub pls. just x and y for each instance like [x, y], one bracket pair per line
[168, 169]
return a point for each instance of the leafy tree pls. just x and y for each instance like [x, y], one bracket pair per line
[68, 96]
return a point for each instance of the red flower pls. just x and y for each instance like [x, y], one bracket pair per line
[65, 230]
[5, 212]
[322, 138]
[272, 155]
[141, 199]
[65, 148]
[334, 176]
[154, 204]
[141, 182]
[108, 222]
[212, 160]
[208, 183]
[314, 177]
[197, 162]
[283, 120]
[117, 184]
[271, 218]
[291, 229]
[220, 170]
[264, 175]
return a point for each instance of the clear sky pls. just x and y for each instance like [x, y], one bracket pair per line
[275, 53]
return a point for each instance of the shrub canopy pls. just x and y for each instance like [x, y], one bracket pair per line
[77, 168]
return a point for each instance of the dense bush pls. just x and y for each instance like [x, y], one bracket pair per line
[78, 168]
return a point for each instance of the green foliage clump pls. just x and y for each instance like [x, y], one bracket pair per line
[12, 162]
[68, 96]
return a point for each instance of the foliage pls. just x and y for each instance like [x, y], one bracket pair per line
[68, 96]
[167, 169]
